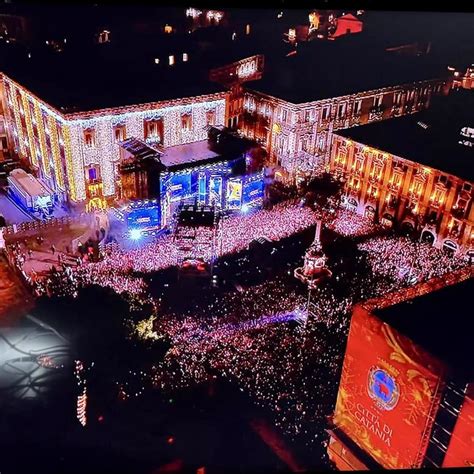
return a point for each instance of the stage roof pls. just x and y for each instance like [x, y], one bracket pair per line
[440, 322]
[140, 149]
[430, 137]
[188, 154]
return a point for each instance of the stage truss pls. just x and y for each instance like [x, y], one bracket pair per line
[195, 235]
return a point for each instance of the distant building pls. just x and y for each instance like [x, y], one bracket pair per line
[406, 395]
[414, 172]
[466, 80]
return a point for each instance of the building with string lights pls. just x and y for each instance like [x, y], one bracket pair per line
[78, 153]
[414, 173]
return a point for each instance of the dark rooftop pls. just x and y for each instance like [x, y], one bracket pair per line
[101, 76]
[325, 69]
[430, 137]
[187, 154]
[440, 322]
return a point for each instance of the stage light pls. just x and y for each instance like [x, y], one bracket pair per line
[245, 208]
[135, 234]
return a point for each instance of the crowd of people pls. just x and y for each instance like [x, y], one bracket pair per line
[350, 224]
[404, 260]
[266, 339]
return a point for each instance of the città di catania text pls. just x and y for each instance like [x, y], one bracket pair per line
[372, 422]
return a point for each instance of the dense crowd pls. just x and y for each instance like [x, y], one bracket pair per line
[350, 224]
[402, 259]
[262, 338]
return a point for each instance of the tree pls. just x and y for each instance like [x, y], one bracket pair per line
[323, 192]
[278, 192]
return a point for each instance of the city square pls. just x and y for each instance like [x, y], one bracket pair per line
[243, 276]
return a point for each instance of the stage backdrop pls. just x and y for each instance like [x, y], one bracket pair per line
[389, 388]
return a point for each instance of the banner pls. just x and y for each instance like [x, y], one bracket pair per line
[387, 391]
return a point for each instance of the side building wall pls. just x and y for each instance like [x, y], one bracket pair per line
[396, 192]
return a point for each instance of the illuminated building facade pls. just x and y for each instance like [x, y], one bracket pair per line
[466, 80]
[298, 136]
[405, 395]
[233, 76]
[413, 173]
[78, 154]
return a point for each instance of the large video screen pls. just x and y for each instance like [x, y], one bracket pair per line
[215, 190]
[386, 393]
[234, 193]
[253, 189]
[144, 218]
[179, 185]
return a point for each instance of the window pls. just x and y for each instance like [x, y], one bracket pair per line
[397, 98]
[171, 60]
[396, 179]
[307, 116]
[321, 143]
[467, 187]
[357, 107]
[154, 130]
[186, 122]
[376, 171]
[341, 110]
[305, 144]
[211, 117]
[92, 174]
[325, 115]
[157, 60]
[373, 191]
[185, 57]
[461, 204]
[377, 101]
[119, 133]
[358, 165]
[437, 197]
[284, 115]
[417, 187]
[341, 156]
[355, 183]
[89, 138]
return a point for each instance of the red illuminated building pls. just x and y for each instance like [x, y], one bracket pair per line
[405, 397]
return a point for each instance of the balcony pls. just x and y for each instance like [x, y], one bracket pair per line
[376, 113]
[396, 110]
[409, 107]
[458, 212]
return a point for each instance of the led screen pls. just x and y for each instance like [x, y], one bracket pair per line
[253, 189]
[144, 218]
[234, 193]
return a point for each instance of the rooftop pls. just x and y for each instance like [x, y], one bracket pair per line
[439, 322]
[96, 77]
[430, 137]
